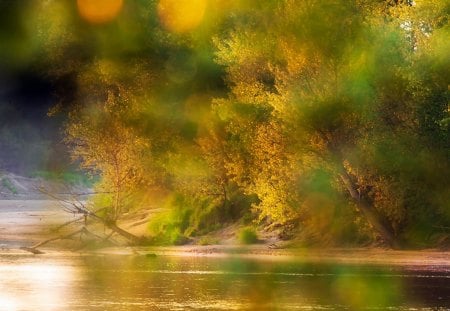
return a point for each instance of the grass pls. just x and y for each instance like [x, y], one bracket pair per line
[206, 240]
[8, 185]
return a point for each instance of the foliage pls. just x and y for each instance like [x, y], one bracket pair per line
[330, 115]
[341, 98]
[6, 183]
[186, 216]
[248, 235]
[207, 240]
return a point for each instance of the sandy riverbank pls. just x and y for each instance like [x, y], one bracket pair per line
[23, 223]
[26, 222]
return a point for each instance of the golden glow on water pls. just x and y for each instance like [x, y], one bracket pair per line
[7, 303]
[99, 11]
[181, 15]
[134, 282]
[34, 286]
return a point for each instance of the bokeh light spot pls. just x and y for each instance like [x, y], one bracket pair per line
[99, 11]
[181, 15]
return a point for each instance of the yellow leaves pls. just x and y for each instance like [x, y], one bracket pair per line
[273, 173]
[189, 172]
[112, 149]
[107, 72]
[113, 87]
[297, 79]
[103, 136]
[256, 155]
[245, 55]
[233, 50]
[294, 55]
[318, 212]
[252, 93]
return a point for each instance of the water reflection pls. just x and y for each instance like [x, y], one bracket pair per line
[31, 285]
[114, 282]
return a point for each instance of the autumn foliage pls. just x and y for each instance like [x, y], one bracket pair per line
[328, 119]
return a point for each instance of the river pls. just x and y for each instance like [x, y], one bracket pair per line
[64, 281]
[139, 280]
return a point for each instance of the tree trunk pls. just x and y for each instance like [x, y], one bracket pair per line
[78, 207]
[373, 217]
[129, 236]
[112, 225]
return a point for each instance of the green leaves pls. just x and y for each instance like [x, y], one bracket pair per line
[261, 103]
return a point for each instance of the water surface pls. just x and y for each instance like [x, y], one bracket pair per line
[64, 281]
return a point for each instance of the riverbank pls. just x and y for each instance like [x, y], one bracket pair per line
[24, 223]
[424, 260]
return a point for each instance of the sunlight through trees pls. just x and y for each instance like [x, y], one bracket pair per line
[327, 119]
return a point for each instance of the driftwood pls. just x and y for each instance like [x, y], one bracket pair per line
[64, 237]
[32, 250]
[77, 207]
[69, 223]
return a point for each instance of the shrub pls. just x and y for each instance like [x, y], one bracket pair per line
[166, 228]
[206, 240]
[192, 216]
[8, 185]
[248, 235]
[184, 217]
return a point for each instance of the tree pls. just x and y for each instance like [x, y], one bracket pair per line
[103, 139]
[337, 77]
[334, 113]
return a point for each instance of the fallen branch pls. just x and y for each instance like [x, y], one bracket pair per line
[63, 237]
[76, 206]
[33, 249]
[68, 223]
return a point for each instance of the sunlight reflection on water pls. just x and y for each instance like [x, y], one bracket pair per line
[114, 282]
[37, 286]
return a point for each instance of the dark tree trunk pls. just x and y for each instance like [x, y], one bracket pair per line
[112, 225]
[370, 213]
[129, 236]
